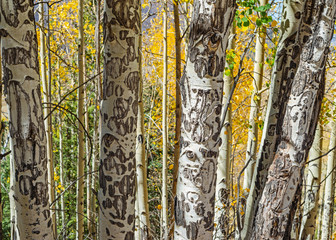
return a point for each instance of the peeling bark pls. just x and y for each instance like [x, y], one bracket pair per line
[29, 180]
[202, 92]
[283, 187]
[119, 119]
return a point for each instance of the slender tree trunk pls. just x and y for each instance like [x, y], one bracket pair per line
[1, 133]
[223, 168]
[178, 59]
[47, 121]
[283, 187]
[80, 112]
[202, 92]
[328, 212]
[141, 165]
[311, 200]
[63, 231]
[164, 220]
[258, 73]
[119, 119]
[29, 179]
[285, 67]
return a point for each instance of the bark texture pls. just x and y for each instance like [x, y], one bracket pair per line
[202, 92]
[327, 217]
[223, 165]
[119, 119]
[283, 187]
[20, 66]
[312, 186]
[258, 73]
[284, 69]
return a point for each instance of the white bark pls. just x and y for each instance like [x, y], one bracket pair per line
[29, 174]
[258, 73]
[223, 166]
[119, 109]
[311, 199]
[164, 192]
[327, 217]
[202, 91]
[285, 66]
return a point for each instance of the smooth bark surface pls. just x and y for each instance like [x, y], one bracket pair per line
[327, 216]
[258, 73]
[202, 92]
[223, 166]
[29, 180]
[119, 110]
[283, 187]
[312, 187]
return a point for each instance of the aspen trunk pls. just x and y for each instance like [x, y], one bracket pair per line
[178, 59]
[47, 121]
[80, 113]
[164, 220]
[311, 199]
[285, 67]
[141, 165]
[29, 180]
[202, 90]
[61, 161]
[258, 73]
[223, 168]
[283, 187]
[119, 119]
[327, 217]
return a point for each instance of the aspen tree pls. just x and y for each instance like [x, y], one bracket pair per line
[119, 119]
[202, 93]
[164, 220]
[178, 60]
[47, 121]
[285, 66]
[255, 104]
[80, 126]
[29, 197]
[283, 187]
[327, 217]
[312, 187]
[141, 166]
[223, 166]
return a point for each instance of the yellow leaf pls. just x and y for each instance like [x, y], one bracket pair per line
[274, 23]
[159, 207]
[171, 166]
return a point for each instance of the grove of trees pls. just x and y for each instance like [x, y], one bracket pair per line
[171, 119]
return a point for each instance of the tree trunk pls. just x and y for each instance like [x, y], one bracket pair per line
[202, 90]
[285, 67]
[61, 161]
[47, 121]
[29, 180]
[258, 73]
[119, 119]
[141, 165]
[178, 59]
[283, 187]
[312, 184]
[81, 144]
[223, 168]
[164, 217]
[328, 212]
